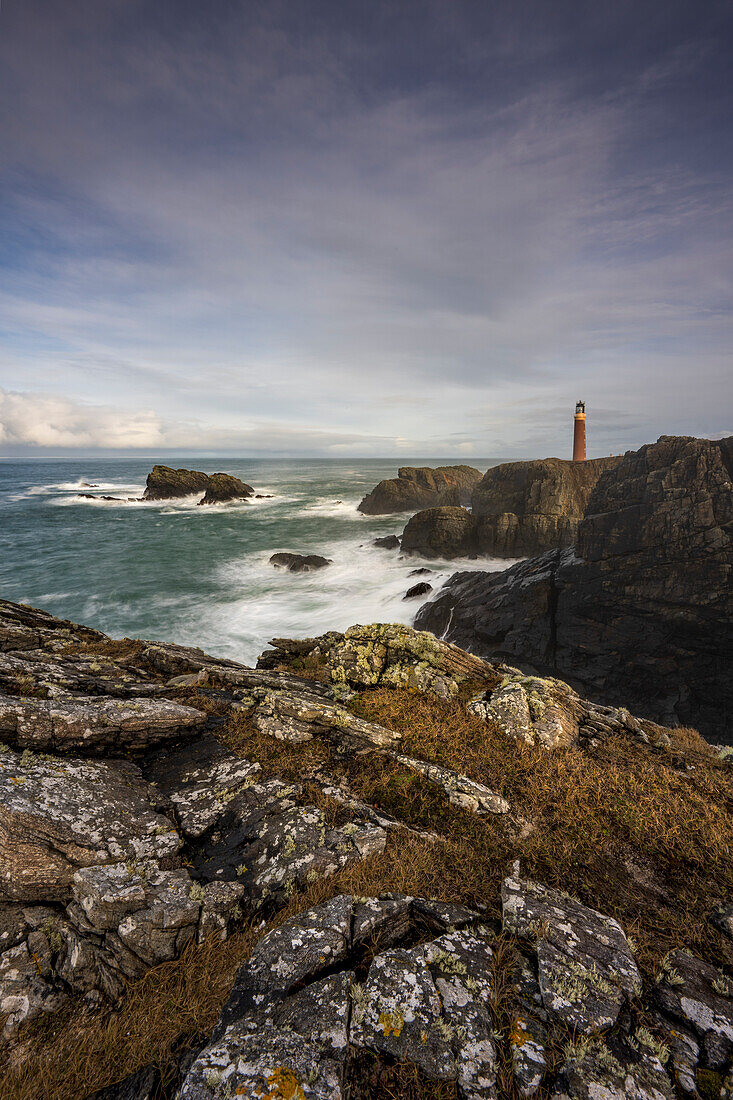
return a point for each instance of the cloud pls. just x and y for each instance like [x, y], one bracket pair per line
[354, 232]
[44, 420]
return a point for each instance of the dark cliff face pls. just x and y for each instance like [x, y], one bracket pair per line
[642, 609]
[529, 507]
[518, 508]
[421, 487]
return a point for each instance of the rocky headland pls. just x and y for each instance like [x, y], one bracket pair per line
[421, 487]
[165, 483]
[376, 865]
[639, 611]
[518, 508]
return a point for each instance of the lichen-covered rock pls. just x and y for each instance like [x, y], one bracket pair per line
[222, 488]
[291, 716]
[60, 814]
[700, 997]
[426, 1003]
[23, 627]
[396, 655]
[585, 966]
[593, 1071]
[420, 487]
[533, 710]
[93, 725]
[461, 791]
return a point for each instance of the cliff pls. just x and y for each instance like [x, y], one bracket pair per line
[421, 487]
[640, 611]
[518, 508]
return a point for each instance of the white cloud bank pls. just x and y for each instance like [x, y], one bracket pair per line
[46, 420]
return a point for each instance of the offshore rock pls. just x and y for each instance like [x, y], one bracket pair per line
[441, 533]
[640, 611]
[420, 589]
[420, 487]
[165, 483]
[299, 563]
[221, 488]
[387, 542]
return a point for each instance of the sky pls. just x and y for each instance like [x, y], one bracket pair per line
[364, 228]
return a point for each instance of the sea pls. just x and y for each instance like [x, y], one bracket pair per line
[174, 571]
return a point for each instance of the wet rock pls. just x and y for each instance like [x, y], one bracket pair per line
[418, 590]
[387, 542]
[299, 563]
[585, 967]
[441, 533]
[222, 488]
[93, 725]
[58, 815]
[165, 483]
[422, 572]
[419, 487]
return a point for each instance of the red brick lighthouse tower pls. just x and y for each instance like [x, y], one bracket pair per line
[579, 433]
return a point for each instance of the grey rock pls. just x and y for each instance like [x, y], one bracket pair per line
[94, 725]
[60, 814]
[694, 993]
[586, 968]
[593, 1071]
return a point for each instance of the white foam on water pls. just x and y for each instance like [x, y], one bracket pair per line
[362, 585]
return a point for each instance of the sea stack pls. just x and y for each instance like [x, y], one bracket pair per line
[579, 433]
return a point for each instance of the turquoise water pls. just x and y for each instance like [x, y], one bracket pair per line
[200, 575]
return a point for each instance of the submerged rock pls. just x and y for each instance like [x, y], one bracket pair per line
[299, 563]
[420, 487]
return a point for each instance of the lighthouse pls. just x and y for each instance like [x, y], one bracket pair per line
[579, 433]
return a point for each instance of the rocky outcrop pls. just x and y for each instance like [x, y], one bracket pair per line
[221, 488]
[417, 590]
[165, 483]
[517, 508]
[412, 982]
[299, 563]
[441, 533]
[640, 612]
[528, 507]
[421, 487]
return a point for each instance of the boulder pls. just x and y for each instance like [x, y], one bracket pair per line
[441, 533]
[418, 590]
[387, 542]
[420, 487]
[640, 612]
[299, 563]
[221, 488]
[165, 483]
